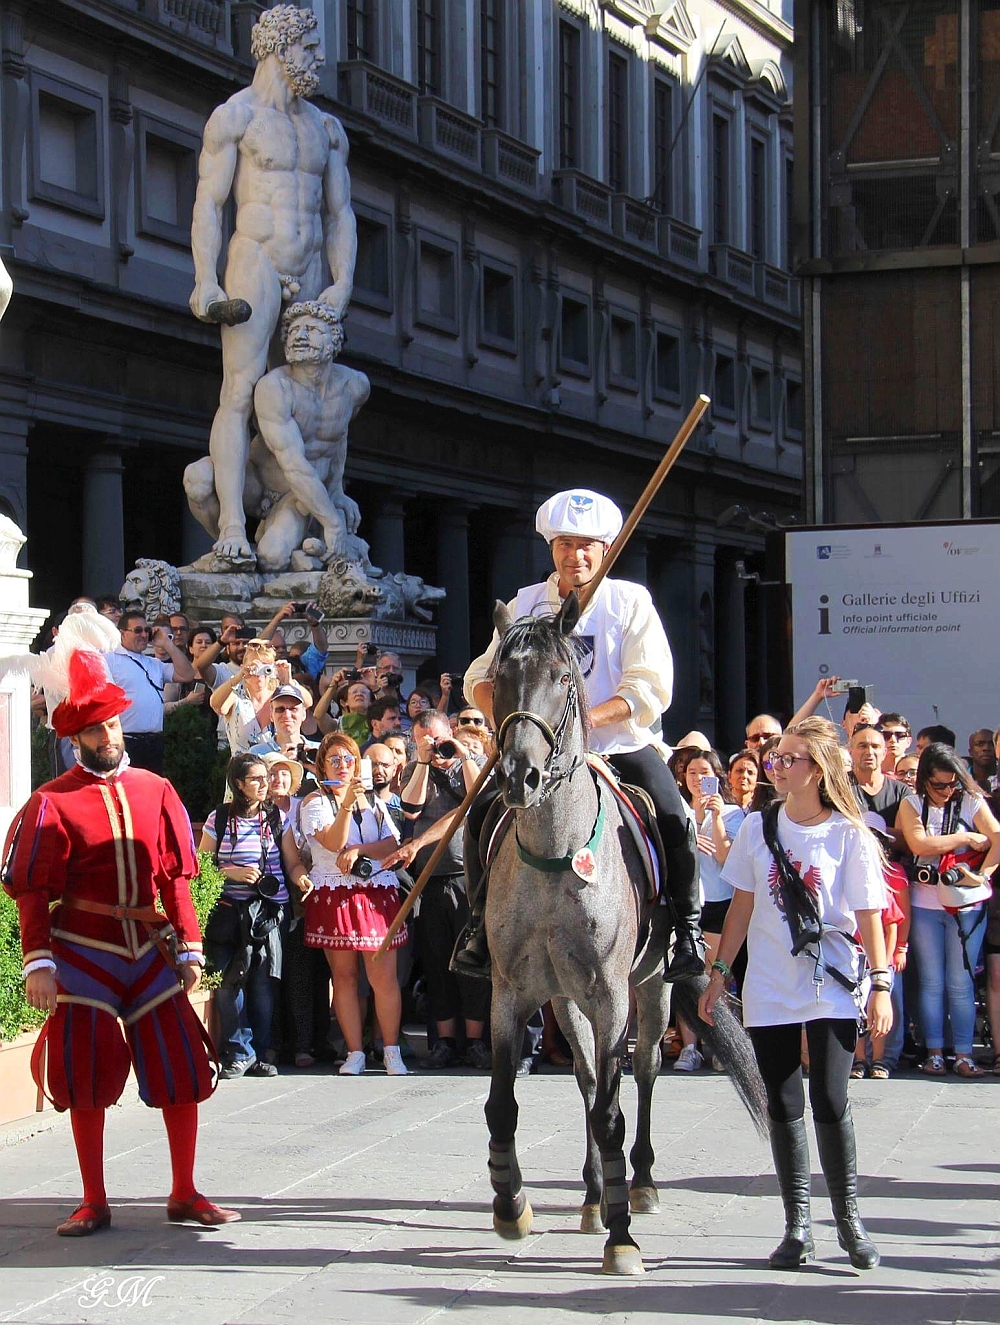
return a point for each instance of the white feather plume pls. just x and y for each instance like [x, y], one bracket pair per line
[83, 628]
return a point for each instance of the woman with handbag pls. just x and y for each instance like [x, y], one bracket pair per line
[807, 876]
[244, 932]
[955, 842]
[354, 900]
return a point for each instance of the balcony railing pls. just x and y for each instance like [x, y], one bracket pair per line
[634, 221]
[588, 198]
[510, 161]
[732, 266]
[678, 242]
[366, 88]
[448, 131]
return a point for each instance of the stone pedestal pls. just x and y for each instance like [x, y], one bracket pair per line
[19, 624]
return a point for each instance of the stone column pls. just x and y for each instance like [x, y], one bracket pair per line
[731, 696]
[103, 523]
[19, 624]
[387, 549]
[511, 566]
[453, 572]
[685, 596]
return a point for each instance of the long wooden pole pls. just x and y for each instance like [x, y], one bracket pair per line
[588, 591]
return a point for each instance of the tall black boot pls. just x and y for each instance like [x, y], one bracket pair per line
[790, 1149]
[684, 894]
[838, 1156]
[472, 954]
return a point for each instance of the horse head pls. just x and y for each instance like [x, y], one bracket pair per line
[538, 695]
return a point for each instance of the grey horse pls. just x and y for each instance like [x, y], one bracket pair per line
[581, 939]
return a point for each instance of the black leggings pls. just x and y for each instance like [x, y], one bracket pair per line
[779, 1056]
[644, 768]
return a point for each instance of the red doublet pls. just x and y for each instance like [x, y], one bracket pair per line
[122, 841]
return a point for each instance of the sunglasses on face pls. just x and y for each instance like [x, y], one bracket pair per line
[942, 786]
[786, 761]
[759, 740]
[910, 775]
[893, 735]
[472, 722]
[340, 761]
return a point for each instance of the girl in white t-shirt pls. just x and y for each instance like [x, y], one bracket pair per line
[840, 868]
[947, 816]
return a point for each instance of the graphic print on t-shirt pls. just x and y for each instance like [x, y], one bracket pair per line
[811, 878]
[584, 646]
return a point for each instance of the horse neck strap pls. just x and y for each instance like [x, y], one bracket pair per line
[523, 715]
[557, 864]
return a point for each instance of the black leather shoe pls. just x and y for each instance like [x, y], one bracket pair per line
[688, 961]
[790, 1149]
[526, 1067]
[840, 1168]
[472, 953]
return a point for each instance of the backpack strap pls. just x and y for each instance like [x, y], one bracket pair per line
[221, 826]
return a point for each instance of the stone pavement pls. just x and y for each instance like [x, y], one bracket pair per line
[367, 1200]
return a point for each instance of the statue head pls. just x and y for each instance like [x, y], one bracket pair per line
[290, 34]
[311, 332]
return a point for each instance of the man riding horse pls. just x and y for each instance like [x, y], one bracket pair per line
[628, 670]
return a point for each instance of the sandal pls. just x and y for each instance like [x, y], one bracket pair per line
[967, 1067]
[859, 1071]
[933, 1066]
[879, 1072]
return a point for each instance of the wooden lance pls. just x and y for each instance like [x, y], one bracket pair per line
[585, 595]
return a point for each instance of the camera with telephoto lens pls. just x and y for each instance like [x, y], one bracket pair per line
[392, 680]
[362, 868]
[446, 749]
[268, 885]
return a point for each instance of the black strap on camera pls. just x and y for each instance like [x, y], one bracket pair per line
[799, 908]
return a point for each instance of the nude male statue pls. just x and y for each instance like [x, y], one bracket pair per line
[285, 162]
[296, 470]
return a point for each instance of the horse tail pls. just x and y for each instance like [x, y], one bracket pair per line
[729, 1043]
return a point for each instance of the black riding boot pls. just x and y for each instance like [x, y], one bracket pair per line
[684, 893]
[790, 1149]
[472, 954]
[838, 1156]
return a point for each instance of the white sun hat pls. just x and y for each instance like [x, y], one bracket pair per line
[580, 513]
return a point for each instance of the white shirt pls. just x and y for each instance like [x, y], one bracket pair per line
[924, 895]
[714, 888]
[622, 649]
[318, 814]
[840, 864]
[142, 678]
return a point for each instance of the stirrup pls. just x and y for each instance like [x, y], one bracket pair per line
[472, 954]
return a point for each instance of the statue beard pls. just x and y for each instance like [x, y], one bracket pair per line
[307, 354]
[303, 82]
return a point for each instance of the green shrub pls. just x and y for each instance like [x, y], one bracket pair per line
[193, 762]
[41, 765]
[16, 1015]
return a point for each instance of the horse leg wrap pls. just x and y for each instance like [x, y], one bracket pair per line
[615, 1186]
[500, 1169]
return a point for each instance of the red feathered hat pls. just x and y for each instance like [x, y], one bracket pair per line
[92, 698]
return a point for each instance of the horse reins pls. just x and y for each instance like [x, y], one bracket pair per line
[555, 737]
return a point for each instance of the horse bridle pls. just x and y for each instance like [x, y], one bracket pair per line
[555, 736]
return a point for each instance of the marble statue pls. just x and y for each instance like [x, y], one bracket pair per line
[352, 589]
[6, 288]
[155, 585]
[285, 163]
[296, 464]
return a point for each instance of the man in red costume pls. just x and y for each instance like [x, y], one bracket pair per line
[93, 851]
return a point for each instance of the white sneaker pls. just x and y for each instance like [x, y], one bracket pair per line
[354, 1065]
[393, 1060]
[688, 1060]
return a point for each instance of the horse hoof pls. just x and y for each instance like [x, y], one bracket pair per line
[512, 1230]
[590, 1219]
[622, 1260]
[644, 1201]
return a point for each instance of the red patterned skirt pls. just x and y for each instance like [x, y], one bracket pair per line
[352, 917]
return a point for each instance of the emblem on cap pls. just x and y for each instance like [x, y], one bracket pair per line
[578, 502]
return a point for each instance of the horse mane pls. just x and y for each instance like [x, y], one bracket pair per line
[533, 635]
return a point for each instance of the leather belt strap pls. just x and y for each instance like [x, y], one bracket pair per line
[158, 927]
[148, 914]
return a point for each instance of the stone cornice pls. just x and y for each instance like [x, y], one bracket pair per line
[760, 18]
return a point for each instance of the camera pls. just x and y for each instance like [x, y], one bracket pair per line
[842, 687]
[268, 885]
[446, 749]
[392, 680]
[299, 609]
[928, 874]
[371, 651]
[352, 675]
[246, 633]
[457, 678]
[262, 669]
[362, 868]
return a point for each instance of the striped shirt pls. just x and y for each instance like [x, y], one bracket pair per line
[243, 845]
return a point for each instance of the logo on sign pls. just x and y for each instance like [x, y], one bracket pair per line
[824, 552]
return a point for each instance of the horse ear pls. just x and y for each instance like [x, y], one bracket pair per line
[569, 614]
[502, 619]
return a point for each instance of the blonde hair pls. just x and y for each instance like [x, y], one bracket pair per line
[824, 749]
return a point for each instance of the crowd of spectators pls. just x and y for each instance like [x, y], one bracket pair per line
[338, 778]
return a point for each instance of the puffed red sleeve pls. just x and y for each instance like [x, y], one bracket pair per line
[177, 865]
[37, 873]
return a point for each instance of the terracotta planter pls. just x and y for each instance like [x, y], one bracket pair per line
[20, 1097]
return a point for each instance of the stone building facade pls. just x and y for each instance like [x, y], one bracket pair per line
[572, 218]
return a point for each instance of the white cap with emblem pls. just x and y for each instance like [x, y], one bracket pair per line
[581, 514]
